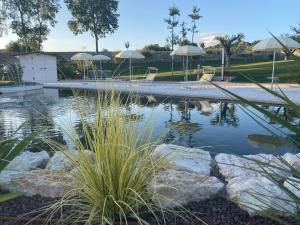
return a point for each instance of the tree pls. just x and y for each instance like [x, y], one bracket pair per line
[100, 17]
[2, 25]
[296, 33]
[172, 24]
[20, 14]
[227, 42]
[183, 32]
[155, 47]
[195, 16]
[45, 12]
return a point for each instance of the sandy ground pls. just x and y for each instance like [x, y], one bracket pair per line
[191, 89]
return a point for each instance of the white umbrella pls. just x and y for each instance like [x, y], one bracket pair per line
[209, 40]
[271, 44]
[188, 51]
[82, 57]
[101, 58]
[130, 54]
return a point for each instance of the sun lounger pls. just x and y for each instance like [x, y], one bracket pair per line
[208, 73]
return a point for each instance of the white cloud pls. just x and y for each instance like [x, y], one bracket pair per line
[209, 38]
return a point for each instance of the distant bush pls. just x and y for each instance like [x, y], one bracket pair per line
[156, 48]
[65, 70]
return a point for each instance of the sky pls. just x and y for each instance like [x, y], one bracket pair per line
[141, 22]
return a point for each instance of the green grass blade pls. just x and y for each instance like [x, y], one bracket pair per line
[9, 196]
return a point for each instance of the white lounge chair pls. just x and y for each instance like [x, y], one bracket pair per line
[208, 73]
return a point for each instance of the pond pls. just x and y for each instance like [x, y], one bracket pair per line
[217, 126]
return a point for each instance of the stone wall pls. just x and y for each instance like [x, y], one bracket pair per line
[162, 56]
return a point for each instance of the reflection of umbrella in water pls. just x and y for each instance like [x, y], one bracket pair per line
[133, 117]
[185, 127]
[182, 106]
[266, 141]
[205, 108]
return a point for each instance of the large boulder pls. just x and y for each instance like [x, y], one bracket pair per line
[177, 187]
[6, 176]
[293, 184]
[63, 160]
[292, 160]
[29, 161]
[259, 194]
[231, 166]
[41, 182]
[188, 159]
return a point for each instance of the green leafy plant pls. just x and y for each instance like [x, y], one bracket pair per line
[10, 148]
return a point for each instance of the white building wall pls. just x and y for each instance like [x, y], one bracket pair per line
[39, 68]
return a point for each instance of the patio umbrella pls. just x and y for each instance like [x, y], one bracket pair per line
[271, 44]
[101, 58]
[188, 51]
[82, 57]
[130, 54]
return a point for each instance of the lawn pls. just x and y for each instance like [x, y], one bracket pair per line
[287, 71]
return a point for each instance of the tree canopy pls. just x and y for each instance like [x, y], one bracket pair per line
[227, 42]
[30, 20]
[195, 15]
[172, 24]
[99, 17]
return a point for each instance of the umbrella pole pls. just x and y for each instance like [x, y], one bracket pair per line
[186, 69]
[83, 70]
[273, 71]
[101, 69]
[130, 69]
[223, 60]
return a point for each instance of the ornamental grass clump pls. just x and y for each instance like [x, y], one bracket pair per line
[111, 186]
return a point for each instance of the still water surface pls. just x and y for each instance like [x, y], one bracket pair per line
[213, 125]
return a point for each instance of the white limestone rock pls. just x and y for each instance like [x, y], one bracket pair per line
[42, 182]
[173, 187]
[27, 161]
[6, 176]
[62, 161]
[259, 194]
[188, 159]
[292, 160]
[293, 184]
[282, 170]
[231, 166]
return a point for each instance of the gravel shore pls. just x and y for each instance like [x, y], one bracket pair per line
[214, 212]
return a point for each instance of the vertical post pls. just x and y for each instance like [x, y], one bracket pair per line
[101, 69]
[83, 70]
[186, 69]
[223, 60]
[273, 71]
[130, 68]
[172, 69]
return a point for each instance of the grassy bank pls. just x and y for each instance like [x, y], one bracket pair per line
[287, 71]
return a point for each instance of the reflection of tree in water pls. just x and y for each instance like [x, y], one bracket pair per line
[288, 115]
[284, 113]
[38, 117]
[181, 131]
[226, 115]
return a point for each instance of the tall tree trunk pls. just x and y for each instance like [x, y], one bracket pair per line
[96, 42]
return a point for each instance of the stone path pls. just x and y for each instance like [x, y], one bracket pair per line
[180, 89]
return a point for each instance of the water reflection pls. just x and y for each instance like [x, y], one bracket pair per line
[189, 122]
